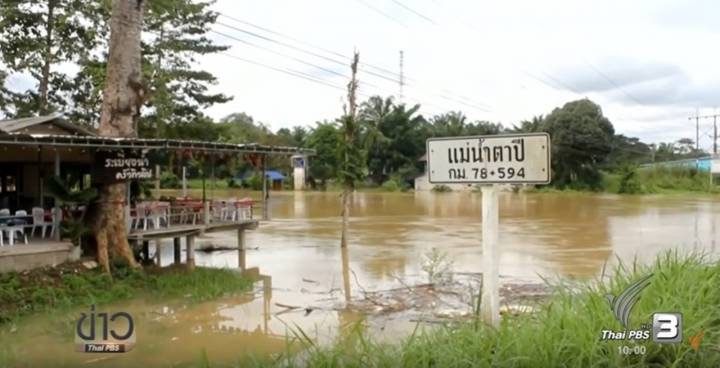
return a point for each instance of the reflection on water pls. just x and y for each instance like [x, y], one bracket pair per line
[540, 234]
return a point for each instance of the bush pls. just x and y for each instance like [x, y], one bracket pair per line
[441, 189]
[231, 183]
[630, 182]
[254, 182]
[169, 180]
[391, 185]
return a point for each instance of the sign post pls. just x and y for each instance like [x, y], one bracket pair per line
[489, 161]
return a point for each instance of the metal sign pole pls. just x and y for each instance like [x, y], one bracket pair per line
[490, 302]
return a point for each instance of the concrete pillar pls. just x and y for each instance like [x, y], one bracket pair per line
[184, 181]
[158, 252]
[265, 191]
[206, 213]
[190, 249]
[490, 302]
[157, 180]
[299, 165]
[56, 209]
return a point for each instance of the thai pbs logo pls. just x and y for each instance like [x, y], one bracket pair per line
[665, 327]
[104, 333]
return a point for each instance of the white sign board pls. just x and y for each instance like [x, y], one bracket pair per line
[490, 159]
[715, 165]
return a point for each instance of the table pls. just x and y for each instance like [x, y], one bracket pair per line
[14, 227]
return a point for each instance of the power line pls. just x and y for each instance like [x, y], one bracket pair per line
[613, 83]
[467, 101]
[414, 12]
[386, 15]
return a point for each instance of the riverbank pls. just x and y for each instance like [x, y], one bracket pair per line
[82, 284]
[564, 330]
[659, 180]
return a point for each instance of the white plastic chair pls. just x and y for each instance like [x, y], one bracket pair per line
[230, 211]
[4, 212]
[141, 215]
[38, 217]
[12, 230]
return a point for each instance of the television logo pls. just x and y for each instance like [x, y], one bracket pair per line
[665, 328]
[115, 335]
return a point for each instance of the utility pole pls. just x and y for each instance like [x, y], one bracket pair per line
[402, 76]
[697, 118]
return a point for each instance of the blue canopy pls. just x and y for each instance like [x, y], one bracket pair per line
[271, 174]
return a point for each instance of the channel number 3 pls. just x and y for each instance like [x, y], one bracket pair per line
[667, 327]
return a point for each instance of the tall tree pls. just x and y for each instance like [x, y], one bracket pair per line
[123, 97]
[325, 140]
[581, 141]
[180, 90]
[351, 155]
[36, 36]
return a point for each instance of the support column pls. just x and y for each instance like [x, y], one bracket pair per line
[40, 189]
[241, 249]
[265, 192]
[206, 213]
[158, 252]
[157, 180]
[128, 213]
[184, 181]
[56, 208]
[146, 250]
[190, 248]
[176, 250]
[490, 302]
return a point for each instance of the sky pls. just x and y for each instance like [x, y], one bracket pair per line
[650, 64]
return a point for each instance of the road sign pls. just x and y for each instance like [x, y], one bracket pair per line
[490, 159]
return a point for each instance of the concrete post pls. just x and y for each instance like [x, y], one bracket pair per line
[206, 213]
[190, 249]
[184, 181]
[490, 302]
[265, 192]
[157, 180]
[56, 208]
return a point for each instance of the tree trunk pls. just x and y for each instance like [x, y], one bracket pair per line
[345, 216]
[349, 182]
[122, 99]
[47, 59]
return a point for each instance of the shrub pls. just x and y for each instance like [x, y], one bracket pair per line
[169, 180]
[441, 189]
[391, 185]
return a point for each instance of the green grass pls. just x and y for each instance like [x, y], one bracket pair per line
[563, 332]
[62, 288]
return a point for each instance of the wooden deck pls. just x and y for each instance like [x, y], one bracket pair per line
[186, 230]
[37, 253]
[189, 232]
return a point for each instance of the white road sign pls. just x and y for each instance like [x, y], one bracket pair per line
[490, 159]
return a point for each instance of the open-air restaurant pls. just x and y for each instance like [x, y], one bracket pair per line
[47, 164]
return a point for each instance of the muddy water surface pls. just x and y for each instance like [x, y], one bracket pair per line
[391, 237]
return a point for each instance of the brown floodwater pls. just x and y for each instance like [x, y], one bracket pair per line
[391, 236]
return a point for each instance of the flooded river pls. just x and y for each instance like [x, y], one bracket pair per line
[549, 235]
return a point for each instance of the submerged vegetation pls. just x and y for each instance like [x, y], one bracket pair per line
[72, 285]
[563, 331]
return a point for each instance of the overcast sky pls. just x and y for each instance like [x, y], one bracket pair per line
[649, 63]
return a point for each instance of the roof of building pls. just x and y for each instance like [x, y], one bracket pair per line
[22, 125]
[271, 174]
[110, 143]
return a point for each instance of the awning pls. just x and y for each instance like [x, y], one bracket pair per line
[145, 143]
